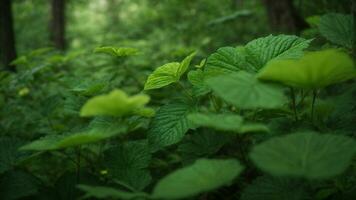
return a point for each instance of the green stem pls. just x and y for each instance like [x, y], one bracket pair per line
[294, 103]
[313, 105]
[78, 163]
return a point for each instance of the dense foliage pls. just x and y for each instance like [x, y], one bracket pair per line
[271, 119]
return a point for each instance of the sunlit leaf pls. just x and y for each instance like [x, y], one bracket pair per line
[116, 103]
[168, 73]
[306, 154]
[314, 70]
[71, 140]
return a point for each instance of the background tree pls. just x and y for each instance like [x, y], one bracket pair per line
[57, 24]
[7, 35]
[283, 16]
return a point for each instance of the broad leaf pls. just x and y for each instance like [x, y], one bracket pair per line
[196, 78]
[163, 76]
[116, 103]
[117, 51]
[224, 122]
[71, 140]
[338, 28]
[307, 154]
[262, 50]
[128, 163]
[314, 70]
[101, 192]
[226, 60]
[169, 125]
[201, 144]
[275, 188]
[244, 91]
[202, 176]
[168, 73]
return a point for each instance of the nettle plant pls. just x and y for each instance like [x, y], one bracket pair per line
[267, 120]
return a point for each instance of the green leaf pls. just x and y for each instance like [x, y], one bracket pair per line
[9, 154]
[101, 192]
[163, 76]
[117, 51]
[307, 154]
[202, 176]
[224, 122]
[196, 78]
[262, 50]
[17, 185]
[116, 103]
[244, 91]
[183, 66]
[227, 60]
[168, 73]
[201, 144]
[55, 142]
[338, 28]
[169, 125]
[314, 70]
[128, 163]
[275, 188]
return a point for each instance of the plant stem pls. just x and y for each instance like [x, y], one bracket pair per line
[294, 103]
[313, 105]
[78, 163]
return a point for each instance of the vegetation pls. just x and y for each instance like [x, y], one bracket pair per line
[178, 99]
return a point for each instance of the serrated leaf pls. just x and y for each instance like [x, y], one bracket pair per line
[201, 144]
[274, 188]
[101, 192]
[196, 78]
[117, 51]
[168, 73]
[227, 60]
[116, 103]
[314, 70]
[244, 91]
[338, 28]
[169, 125]
[128, 163]
[262, 50]
[202, 176]
[17, 184]
[71, 140]
[224, 122]
[9, 154]
[307, 154]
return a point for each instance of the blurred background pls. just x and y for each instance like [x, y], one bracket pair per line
[163, 29]
[48, 65]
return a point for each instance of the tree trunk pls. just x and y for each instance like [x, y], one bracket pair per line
[7, 35]
[284, 17]
[57, 25]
